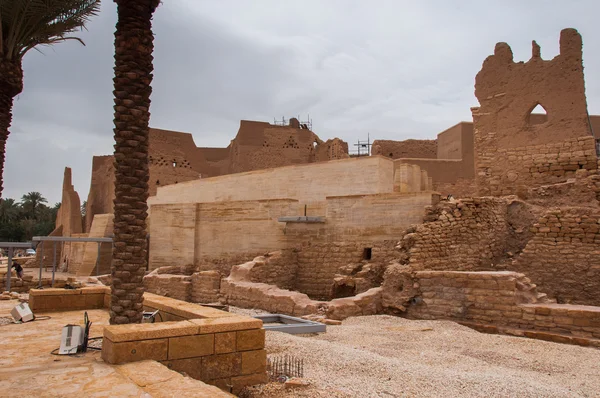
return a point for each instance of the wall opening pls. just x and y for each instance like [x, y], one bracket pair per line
[537, 115]
[174, 164]
[367, 252]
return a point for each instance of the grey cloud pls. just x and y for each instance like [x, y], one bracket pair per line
[398, 70]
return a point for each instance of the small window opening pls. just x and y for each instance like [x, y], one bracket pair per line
[537, 115]
[174, 164]
[391, 155]
[157, 182]
[367, 252]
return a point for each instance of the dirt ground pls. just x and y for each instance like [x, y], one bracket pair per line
[384, 356]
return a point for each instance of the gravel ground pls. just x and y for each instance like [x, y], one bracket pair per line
[384, 356]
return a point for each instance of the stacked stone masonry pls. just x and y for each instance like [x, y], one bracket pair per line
[563, 256]
[468, 234]
[510, 171]
[504, 299]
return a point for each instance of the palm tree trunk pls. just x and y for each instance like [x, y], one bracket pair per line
[133, 75]
[11, 84]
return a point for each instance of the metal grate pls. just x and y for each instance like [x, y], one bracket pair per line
[285, 367]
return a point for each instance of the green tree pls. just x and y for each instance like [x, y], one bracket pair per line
[31, 204]
[9, 211]
[27, 24]
[134, 44]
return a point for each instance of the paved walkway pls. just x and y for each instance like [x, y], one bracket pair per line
[27, 369]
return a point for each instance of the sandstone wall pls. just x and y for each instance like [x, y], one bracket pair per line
[563, 256]
[175, 286]
[468, 234]
[199, 233]
[513, 170]
[281, 269]
[101, 227]
[306, 183]
[426, 149]
[356, 228]
[69, 213]
[331, 149]
[206, 287]
[102, 189]
[501, 299]
[515, 149]
[73, 253]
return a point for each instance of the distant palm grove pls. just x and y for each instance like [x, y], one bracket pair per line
[21, 220]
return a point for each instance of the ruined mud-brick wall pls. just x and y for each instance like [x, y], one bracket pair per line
[260, 145]
[426, 149]
[513, 170]
[581, 191]
[69, 212]
[280, 270]
[170, 282]
[206, 287]
[331, 149]
[563, 256]
[102, 189]
[514, 150]
[173, 158]
[462, 188]
[504, 299]
[469, 234]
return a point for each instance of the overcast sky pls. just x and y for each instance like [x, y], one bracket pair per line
[395, 69]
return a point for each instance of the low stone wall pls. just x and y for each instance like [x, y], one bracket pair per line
[206, 286]
[280, 270]
[177, 286]
[217, 347]
[29, 282]
[563, 256]
[239, 290]
[501, 299]
[55, 299]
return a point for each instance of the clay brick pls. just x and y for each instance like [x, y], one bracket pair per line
[254, 362]
[191, 346]
[251, 340]
[221, 366]
[132, 351]
[225, 342]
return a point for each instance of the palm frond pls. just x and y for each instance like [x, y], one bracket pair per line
[25, 24]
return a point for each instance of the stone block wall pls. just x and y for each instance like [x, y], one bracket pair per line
[563, 256]
[318, 264]
[206, 286]
[468, 234]
[213, 346]
[176, 286]
[507, 171]
[504, 299]
[280, 270]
